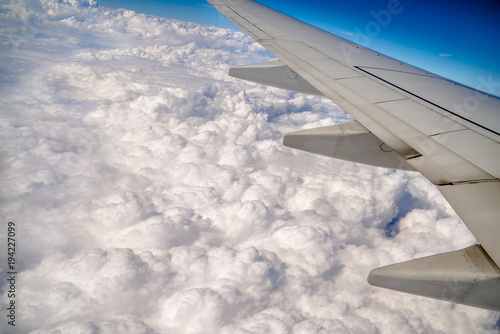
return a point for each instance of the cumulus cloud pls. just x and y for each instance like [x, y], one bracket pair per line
[151, 192]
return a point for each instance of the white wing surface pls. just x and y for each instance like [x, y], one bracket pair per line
[406, 118]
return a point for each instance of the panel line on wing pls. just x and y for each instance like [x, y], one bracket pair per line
[450, 184]
[433, 76]
[430, 102]
[394, 100]
[427, 74]
[245, 24]
[446, 132]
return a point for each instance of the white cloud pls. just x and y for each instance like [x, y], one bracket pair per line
[152, 194]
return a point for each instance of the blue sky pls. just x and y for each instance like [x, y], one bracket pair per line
[455, 39]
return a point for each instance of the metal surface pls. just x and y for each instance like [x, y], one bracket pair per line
[447, 132]
[348, 141]
[467, 276]
[274, 74]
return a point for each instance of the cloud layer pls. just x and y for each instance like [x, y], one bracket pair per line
[152, 194]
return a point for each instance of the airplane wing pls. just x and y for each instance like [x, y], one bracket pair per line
[405, 118]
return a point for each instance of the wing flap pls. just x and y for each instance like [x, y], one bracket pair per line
[465, 106]
[466, 143]
[372, 91]
[426, 121]
[477, 203]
